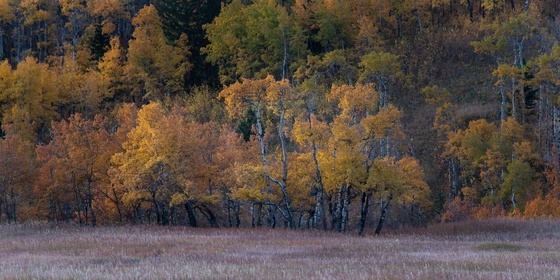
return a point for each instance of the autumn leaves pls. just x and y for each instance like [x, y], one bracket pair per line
[356, 150]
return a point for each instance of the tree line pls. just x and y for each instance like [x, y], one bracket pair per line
[329, 114]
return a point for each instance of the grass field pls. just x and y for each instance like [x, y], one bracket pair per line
[493, 249]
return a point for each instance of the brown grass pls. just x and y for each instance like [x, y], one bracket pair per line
[493, 249]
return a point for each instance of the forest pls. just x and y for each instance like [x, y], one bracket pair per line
[341, 115]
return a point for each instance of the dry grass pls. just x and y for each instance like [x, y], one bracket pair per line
[495, 249]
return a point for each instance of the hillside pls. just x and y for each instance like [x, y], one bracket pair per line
[326, 114]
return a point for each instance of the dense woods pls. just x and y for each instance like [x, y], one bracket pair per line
[325, 114]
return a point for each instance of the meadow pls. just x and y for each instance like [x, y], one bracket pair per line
[490, 249]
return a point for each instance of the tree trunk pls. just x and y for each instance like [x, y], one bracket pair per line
[320, 220]
[271, 219]
[285, 57]
[547, 125]
[418, 16]
[363, 212]
[191, 215]
[139, 214]
[2, 55]
[503, 104]
[283, 183]
[78, 206]
[470, 9]
[259, 215]
[93, 217]
[90, 203]
[118, 205]
[399, 27]
[260, 134]
[157, 207]
[336, 214]
[513, 106]
[252, 210]
[556, 128]
[345, 209]
[383, 215]
[540, 115]
[513, 200]
[237, 214]
[207, 212]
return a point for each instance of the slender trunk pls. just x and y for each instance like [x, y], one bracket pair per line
[117, 205]
[285, 197]
[90, 204]
[260, 135]
[285, 57]
[228, 204]
[45, 32]
[2, 55]
[238, 214]
[93, 217]
[399, 27]
[503, 104]
[389, 143]
[556, 128]
[320, 217]
[540, 115]
[383, 215]
[513, 106]
[513, 200]
[1, 207]
[259, 215]
[345, 209]
[363, 212]
[523, 105]
[418, 16]
[382, 147]
[252, 210]
[11, 206]
[337, 214]
[159, 214]
[470, 9]
[453, 167]
[139, 214]
[19, 43]
[271, 218]
[547, 125]
[78, 205]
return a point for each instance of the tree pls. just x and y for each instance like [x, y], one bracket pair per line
[513, 34]
[253, 41]
[152, 64]
[260, 95]
[111, 68]
[31, 101]
[16, 169]
[519, 175]
[78, 160]
[189, 17]
[335, 24]
[382, 68]
[143, 171]
[168, 161]
[314, 134]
